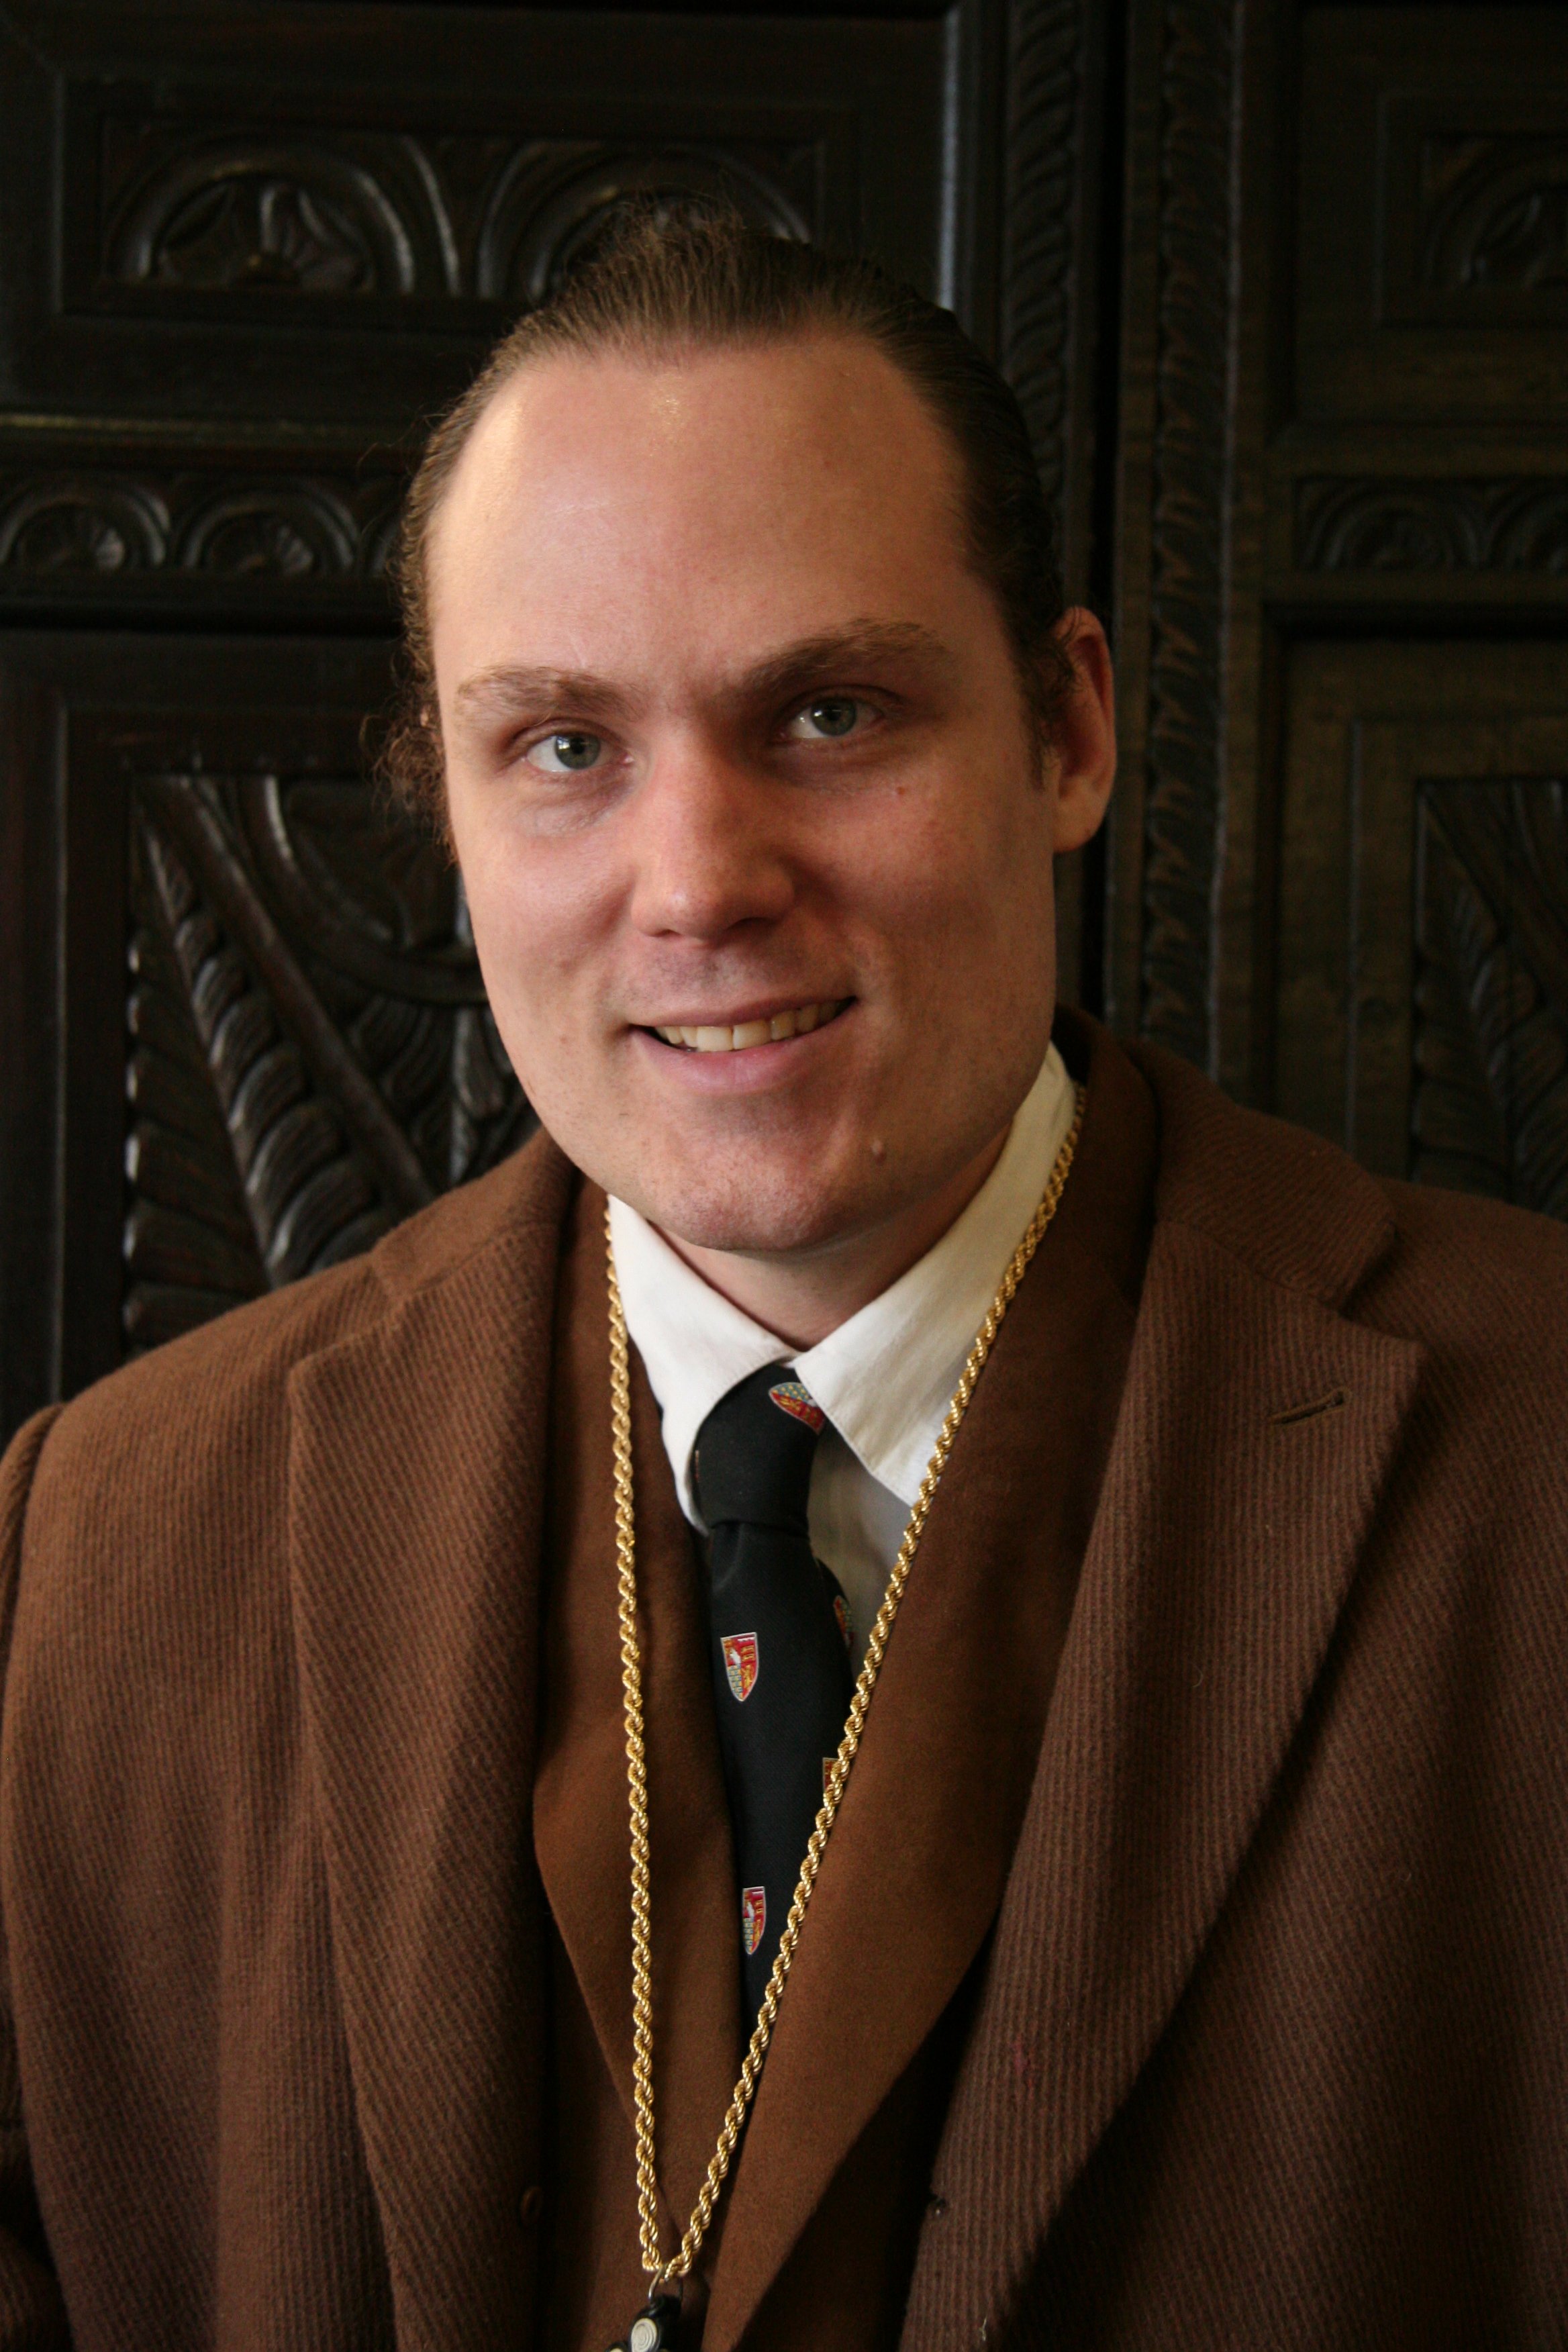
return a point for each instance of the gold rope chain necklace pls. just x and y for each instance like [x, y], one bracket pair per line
[654, 2327]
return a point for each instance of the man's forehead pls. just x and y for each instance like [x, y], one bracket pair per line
[731, 538]
[831, 413]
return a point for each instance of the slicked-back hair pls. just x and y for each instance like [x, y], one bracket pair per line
[700, 277]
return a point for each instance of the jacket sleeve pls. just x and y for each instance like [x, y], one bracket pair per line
[32, 2309]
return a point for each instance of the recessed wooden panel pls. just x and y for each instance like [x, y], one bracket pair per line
[1433, 234]
[257, 1035]
[1423, 948]
[328, 215]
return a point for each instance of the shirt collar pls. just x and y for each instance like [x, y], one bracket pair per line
[885, 1378]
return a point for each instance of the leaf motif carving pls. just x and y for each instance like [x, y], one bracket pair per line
[1496, 216]
[283, 1113]
[1490, 1104]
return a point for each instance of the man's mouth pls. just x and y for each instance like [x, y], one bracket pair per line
[726, 1037]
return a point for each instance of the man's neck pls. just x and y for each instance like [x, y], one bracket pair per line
[803, 1299]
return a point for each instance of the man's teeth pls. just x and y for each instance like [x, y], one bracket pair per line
[799, 1023]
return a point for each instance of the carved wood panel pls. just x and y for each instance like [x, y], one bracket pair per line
[1432, 238]
[276, 1041]
[1343, 401]
[1422, 1003]
[311, 1056]
[326, 216]
[1489, 1109]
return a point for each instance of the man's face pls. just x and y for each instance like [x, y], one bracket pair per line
[737, 756]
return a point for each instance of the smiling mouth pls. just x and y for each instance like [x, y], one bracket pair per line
[733, 1038]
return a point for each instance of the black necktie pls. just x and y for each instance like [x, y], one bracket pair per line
[781, 1676]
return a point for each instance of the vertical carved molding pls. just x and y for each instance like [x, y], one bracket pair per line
[1045, 43]
[1184, 802]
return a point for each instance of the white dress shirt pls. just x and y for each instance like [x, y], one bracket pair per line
[885, 1378]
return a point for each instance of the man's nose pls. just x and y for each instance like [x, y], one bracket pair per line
[707, 841]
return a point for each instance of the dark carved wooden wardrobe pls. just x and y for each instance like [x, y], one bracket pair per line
[1284, 291]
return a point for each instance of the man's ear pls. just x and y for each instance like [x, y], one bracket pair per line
[1083, 730]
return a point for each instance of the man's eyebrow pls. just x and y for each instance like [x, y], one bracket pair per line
[837, 654]
[512, 688]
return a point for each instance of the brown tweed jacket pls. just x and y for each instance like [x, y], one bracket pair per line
[1270, 2045]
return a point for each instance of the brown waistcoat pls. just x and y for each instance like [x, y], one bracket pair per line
[816, 2238]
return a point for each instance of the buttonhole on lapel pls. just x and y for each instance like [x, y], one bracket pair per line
[529, 2204]
[1336, 1399]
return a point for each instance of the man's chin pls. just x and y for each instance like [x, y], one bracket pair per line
[768, 1219]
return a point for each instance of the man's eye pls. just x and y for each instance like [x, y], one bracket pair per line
[567, 754]
[831, 716]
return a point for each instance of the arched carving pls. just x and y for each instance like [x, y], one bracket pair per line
[284, 530]
[240, 213]
[1433, 526]
[97, 528]
[290, 532]
[552, 202]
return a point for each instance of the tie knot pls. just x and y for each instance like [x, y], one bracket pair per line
[754, 1453]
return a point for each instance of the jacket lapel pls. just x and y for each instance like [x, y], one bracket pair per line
[920, 1853]
[579, 1822]
[416, 1478]
[1258, 1428]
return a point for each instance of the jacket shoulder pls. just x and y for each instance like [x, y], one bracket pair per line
[214, 1401]
[1483, 1286]
[1473, 1275]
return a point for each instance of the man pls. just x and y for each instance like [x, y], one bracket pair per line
[1180, 1956]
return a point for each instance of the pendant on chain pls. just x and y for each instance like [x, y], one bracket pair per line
[654, 2329]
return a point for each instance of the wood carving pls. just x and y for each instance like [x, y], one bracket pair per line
[1044, 50]
[552, 201]
[1490, 1103]
[1433, 526]
[1182, 797]
[1495, 216]
[262, 212]
[97, 525]
[311, 1054]
[319, 214]
[295, 531]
